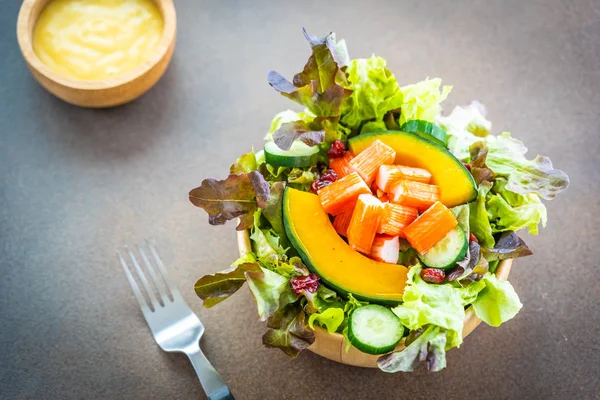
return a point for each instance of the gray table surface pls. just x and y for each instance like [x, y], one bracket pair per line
[75, 184]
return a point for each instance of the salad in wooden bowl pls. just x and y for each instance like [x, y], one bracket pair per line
[373, 230]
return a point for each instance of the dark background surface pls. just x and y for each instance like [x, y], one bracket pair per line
[76, 184]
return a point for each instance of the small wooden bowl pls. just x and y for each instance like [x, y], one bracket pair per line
[97, 94]
[333, 346]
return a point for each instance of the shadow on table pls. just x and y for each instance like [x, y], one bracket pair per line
[114, 133]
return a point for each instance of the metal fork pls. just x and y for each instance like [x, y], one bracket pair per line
[173, 324]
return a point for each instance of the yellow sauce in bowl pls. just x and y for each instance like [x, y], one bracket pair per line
[97, 39]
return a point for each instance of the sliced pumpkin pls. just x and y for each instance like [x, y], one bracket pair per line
[325, 253]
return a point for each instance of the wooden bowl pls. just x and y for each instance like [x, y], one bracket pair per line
[97, 94]
[333, 346]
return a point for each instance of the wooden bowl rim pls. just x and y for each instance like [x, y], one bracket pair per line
[25, 26]
[471, 320]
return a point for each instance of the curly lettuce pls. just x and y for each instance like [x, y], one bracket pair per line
[506, 155]
[422, 100]
[437, 312]
[375, 91]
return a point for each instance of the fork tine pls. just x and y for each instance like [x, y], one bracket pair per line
[151, 296]
[162, 295]
[162, 270]
[134, 286]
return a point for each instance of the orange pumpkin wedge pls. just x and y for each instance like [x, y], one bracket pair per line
[367, 163]
[341, 195]
[430, 227]
[364, 223]
[325, 253]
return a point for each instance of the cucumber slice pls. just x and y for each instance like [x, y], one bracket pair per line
[299, 155]
[374, 329]
[448, 251]
[426, 130]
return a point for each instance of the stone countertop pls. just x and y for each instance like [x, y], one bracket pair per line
[76, 184]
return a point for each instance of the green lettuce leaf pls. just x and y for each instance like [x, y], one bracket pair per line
[497, 302]
[373, 126]
[265, 243]
[270, 290]
[375, 91]
[430, 347]
[509, 211]
[331, 319]
[440, 305]
[213, 289]
[506, 155]
[249, 257]
[301, 179]
[352, 303]
[462, 216]
[323, 299]
[440, 311]
[273, 211]
[478, 217]
[238, 196]
[288, 331]
[244, 164]
[465, 126]
[296, 178]
[284, 266]
[422, 100]
[320, 303]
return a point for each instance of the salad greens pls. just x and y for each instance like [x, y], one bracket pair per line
[375, 92]
[342, 98]
[271, 291]
[238, 196]
[213, 289]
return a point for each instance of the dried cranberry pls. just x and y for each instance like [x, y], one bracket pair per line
[327, 177]
[336, 150]
[310, 283]
[315, 186]
[467, 166]
[472, 238]
[433, 275]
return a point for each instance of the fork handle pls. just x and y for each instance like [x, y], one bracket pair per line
[214, 387]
